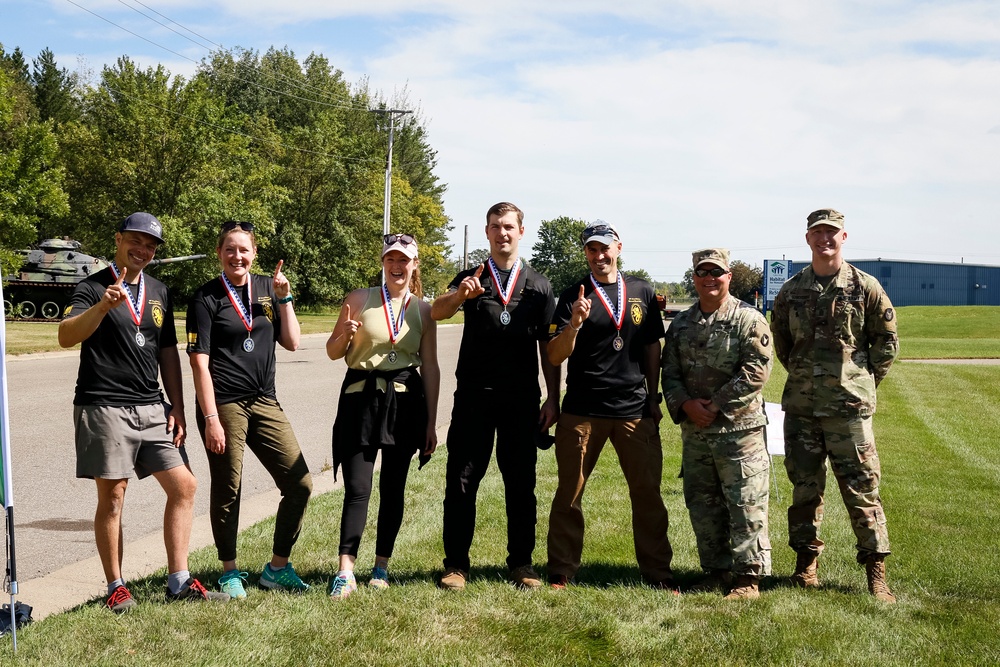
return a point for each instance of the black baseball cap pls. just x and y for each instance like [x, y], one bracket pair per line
[145, 223]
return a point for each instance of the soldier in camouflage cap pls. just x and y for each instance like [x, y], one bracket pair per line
[835, 332]
[716, 359]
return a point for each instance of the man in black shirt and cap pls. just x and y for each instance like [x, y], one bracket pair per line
[508, 306]
[125, 322]
[608, 325]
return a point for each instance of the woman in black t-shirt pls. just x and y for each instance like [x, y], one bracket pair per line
[384, 334]
[232, 326]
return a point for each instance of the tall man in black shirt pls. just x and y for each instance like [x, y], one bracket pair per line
[508, 306]
[125, 322]
[608, 325]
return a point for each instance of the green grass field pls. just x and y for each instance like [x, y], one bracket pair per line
[936, 430]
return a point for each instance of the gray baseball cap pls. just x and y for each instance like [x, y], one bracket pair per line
[600, 231]
[825, 216]
[145, 223]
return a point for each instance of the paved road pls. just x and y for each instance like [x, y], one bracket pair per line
[53, 511]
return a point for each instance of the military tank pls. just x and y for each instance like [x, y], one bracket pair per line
[43, 289]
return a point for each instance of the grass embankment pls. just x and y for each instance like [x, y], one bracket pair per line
[936, 431]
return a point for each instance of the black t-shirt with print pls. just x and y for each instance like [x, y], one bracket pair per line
[216, 329]
[600, 380]
[114, 369]
[498, 356]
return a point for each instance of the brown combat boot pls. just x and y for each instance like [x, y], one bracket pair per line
[806, 567]
[744, 588]
[877, 586]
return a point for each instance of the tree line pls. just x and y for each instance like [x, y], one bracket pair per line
[285, 144]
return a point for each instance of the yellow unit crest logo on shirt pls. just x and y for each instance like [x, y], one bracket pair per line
[636, 311]
[268, 311]
[157, 316]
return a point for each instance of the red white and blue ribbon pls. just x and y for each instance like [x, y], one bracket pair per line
[505, 291]
[617, 317]
[245, 316]
[136, 304]
[395, 324]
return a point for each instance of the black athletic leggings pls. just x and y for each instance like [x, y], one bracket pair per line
[358, 468]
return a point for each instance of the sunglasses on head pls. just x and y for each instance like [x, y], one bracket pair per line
[402, 239]
[233, 224]
[715, 273]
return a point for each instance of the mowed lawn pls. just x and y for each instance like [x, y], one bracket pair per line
[936, 431]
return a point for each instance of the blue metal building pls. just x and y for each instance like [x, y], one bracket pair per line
[911, 283]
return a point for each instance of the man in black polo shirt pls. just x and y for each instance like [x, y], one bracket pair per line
[125, 322]
[608, 325]
[508, 306]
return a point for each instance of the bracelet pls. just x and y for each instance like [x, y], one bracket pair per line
[214, 414]
[575, 328]
[285, 299]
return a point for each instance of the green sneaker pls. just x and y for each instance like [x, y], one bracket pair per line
[380, 578]
[343, 585]
[232, 583]
[284, 579]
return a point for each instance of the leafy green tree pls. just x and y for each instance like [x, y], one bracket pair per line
[30, 178]
[478, 256]
[54, 89]
[642, 274]
[746, 281]
[557, 253]
[149, 142]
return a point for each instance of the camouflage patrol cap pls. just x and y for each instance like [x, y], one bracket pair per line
[717, 256]
[825, 216]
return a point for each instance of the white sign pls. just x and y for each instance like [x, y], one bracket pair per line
[776, 272]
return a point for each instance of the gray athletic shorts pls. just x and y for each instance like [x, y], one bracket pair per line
[121, 443]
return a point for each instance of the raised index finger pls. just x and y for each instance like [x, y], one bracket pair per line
[579, 298]
[118, 283]
[478, 272]
[347, 312]
[277, 269]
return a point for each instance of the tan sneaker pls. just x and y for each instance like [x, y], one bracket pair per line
[525, 577]
[744, 588]
[453, 579]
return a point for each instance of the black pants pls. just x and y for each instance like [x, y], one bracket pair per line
[359, 469]
[476, 418]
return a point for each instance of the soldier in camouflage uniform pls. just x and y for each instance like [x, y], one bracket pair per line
[716, 359]
[835, 332]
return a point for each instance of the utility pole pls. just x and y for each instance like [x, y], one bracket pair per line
[391, 113]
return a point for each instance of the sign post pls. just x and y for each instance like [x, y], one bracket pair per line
[776, 272]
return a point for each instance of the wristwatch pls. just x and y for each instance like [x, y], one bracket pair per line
[285, 299]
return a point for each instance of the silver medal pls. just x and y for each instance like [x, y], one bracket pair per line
[248, 345]
[140, 340]
[505, 318]
[618, 343]
[392, 356]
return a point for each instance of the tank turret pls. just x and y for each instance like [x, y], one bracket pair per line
[45, 284]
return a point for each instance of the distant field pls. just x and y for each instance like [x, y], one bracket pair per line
[926, 332]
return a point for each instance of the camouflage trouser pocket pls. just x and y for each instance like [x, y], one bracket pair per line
[746, 484]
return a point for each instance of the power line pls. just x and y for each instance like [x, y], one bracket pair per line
[295, 84]
[350, 107]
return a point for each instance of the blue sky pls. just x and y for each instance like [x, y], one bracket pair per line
[687, 123]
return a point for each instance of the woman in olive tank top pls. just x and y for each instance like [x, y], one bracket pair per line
[386, 405]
